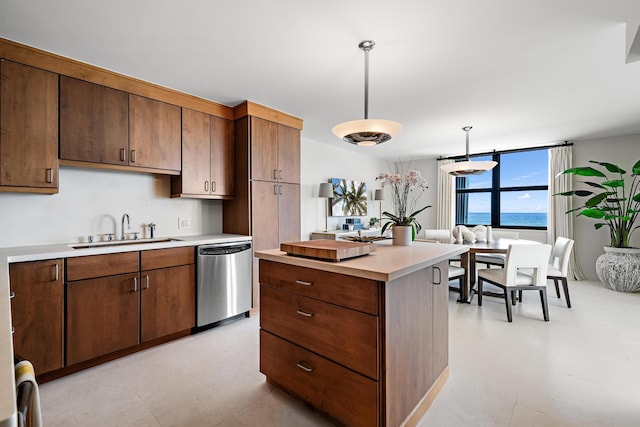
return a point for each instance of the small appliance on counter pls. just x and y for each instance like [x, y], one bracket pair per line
[223, 282]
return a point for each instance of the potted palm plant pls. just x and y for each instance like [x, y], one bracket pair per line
[617, 207]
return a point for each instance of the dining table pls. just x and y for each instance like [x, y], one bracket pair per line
[498, 245]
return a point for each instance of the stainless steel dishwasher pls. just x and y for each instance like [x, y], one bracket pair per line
[223, 284]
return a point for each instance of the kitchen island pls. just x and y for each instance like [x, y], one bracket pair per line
[364, 340]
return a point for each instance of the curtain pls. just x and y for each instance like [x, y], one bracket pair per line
[445, 209]
[560, 223]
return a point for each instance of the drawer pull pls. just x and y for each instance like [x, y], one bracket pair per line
[304, 313]
[305, 368]
[12, 295]
[302, 282]
[135, 284]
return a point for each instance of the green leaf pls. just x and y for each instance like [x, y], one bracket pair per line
[593, 213]
[584, 171]
[599, 225]
[617, 200]
[596, 200]
[610, 167]
[593, 184]
[636, 198]
[580, 193]
[636, 168]
[614, 183]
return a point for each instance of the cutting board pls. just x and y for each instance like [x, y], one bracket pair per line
[329, 250]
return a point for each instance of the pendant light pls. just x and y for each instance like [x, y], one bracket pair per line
[367, 132]
[468, 167]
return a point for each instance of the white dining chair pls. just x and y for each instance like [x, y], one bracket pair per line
[559, 266]
[459, 274]
[489, 259]
[525, 268]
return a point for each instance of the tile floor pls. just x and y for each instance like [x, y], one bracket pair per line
[580, 369]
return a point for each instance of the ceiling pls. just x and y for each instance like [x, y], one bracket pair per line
[521, 72]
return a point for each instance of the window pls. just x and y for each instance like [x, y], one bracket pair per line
[511, 195]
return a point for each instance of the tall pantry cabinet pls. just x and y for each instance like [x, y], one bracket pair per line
[267, 172]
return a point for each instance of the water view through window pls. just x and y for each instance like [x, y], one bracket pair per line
[516, 190]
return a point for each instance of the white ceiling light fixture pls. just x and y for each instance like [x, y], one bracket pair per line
[367, 132]
[468, 167]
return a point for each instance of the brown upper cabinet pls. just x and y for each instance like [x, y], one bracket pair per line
[154, 134]
[277, 156]
[207, 157]
[94, 123]
[106, 126]
[28, 129]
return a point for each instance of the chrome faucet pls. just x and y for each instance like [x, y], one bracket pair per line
[152, 229]
[128, 225]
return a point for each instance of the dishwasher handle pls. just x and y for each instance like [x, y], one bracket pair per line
[225, 249]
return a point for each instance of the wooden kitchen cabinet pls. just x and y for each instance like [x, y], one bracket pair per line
[28, 129]
[207, 157]
[37, 309]
[277, 156]
[102, 316]
[154, 134]
[366, 352]
[267, 175]
[94, 123]
[102, 305]
[167, 296]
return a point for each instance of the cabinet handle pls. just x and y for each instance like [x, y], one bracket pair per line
[133, 156]
[304, 313]
[280, 190]
[56, 272]
[280, 174]
[305, 368]
[302, 282]
[49, 175]
[123, 155]
[206, 186]
[135, 284]
[146, 281]
[213, 186]
[12, 295]
[275, 174]
[13, 330]
[275, 189]
[437, 282]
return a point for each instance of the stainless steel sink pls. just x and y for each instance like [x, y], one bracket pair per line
[119, 243]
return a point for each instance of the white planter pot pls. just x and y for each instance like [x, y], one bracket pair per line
[402, 235]
[619, 268]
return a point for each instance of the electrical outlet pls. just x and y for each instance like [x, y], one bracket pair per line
[184, 223]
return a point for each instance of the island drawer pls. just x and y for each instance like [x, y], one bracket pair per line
[350, 398]
[87, 267]
[348, 291]
[346, 336]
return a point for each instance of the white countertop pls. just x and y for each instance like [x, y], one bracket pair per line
[8, 416]
[385, 264]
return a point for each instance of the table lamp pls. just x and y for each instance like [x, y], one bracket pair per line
[326, 192]
[379, 196]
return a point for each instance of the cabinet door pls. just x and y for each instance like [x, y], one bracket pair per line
[28, 126]
[102, 316]
[289, 154]
[264, 150]
[168, 301]
[195, 152]
[37, 313]
[222, 157]
[154, 134]
[288, 213]
[264, 214]
[94, 123]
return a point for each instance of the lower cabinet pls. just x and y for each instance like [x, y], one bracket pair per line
[151, 295]
[37, 301]
[102, 316]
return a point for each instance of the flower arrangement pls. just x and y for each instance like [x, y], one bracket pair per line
[403, 185]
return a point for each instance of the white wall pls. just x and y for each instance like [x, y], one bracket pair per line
[92, 202]
[623, 151]
[319, 163]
